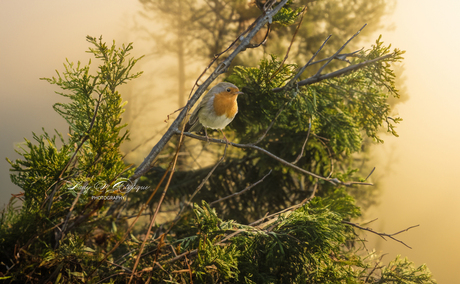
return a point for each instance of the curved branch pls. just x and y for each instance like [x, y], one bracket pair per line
[333, 181]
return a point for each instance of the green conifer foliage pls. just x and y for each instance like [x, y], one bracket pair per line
[59, 176]
[289, 228]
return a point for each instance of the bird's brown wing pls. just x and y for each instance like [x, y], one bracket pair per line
[194, 124]
[194, 121]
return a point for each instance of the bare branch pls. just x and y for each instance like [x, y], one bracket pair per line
[333, 181]
[135, 220]
[304, 143]
[157, 209]
[370, 173]
[316, 79]
[338, 51]
[375, 267]
[342, 57]
[382, 235]
[273, 122]
[264, 40]
[240, 192]
[330, 155]
[290, 45]
[64, 226]
[287, 209]
[309, 61]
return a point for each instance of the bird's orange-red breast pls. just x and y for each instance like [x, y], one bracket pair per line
[217, 109]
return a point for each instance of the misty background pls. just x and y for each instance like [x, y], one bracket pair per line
[417, 171]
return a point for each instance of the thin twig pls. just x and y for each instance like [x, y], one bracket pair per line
[342, 56]
[316, 79]
[290, 45]
[333, 181]
[240, 192]
[330, 156]
[108, 277]
[145, 142]
[312, 195]
[375, 267]
[64, 226]
[264, 40]
[117, 265]
[370, 173]
[117, 244]
[382, 235]
[158, 207]
[338, 51]
[304, 143]
[272, 122]
[311, 59]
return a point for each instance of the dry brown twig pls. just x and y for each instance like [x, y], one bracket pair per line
[375, 267]
[382, 235]
[157, 209]
[292, 42]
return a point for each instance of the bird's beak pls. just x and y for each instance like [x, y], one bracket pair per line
[239, 93]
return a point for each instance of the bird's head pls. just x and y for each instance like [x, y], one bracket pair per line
[226, 89]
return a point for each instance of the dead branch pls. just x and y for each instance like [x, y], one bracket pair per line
[304, 143]
[292, 42]
[338, 51]
[318, 78]
[240, 192]
[333, 181]
[382, 235]
[292, 208]
[375, 267]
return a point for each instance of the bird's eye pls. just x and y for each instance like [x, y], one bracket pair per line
[228, 90]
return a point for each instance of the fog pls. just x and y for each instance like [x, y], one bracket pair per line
[421, 187]
[418, 169]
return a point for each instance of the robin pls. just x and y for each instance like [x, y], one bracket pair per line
[216, 110]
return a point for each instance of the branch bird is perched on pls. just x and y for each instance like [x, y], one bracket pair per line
[216, 110]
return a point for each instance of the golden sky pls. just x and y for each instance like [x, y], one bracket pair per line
[419, 169]
[421, 166]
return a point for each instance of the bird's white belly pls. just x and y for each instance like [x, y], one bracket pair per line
[215, 122]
